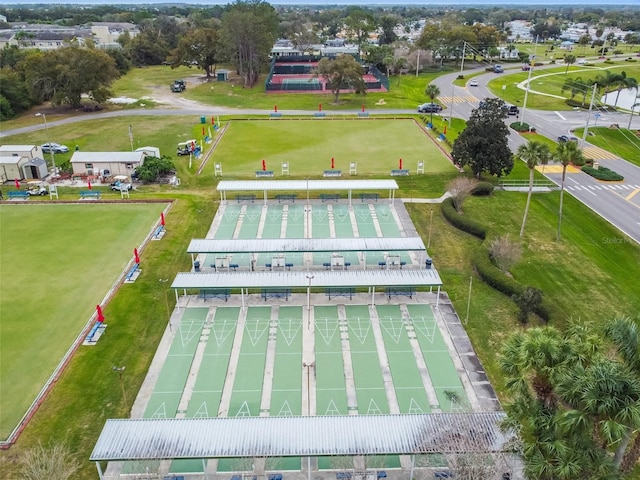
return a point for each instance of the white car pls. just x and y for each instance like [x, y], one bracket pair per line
[473, 83]
[54, 147]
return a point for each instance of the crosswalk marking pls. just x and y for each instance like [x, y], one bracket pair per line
[597, 153]
[457, 99]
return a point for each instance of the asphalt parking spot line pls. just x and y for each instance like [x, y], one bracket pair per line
[632, 194]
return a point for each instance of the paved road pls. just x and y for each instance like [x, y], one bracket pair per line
[618, 203]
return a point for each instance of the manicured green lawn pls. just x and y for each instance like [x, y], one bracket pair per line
[58, 262]
[624, 143]
[308, 146]
[550, 81]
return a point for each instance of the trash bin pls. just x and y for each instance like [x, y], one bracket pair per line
[428, 263]
[196, 266]
[203, 119]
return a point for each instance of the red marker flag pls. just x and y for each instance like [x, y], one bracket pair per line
[17, 182]
[135, 254]
[264, 165]
[162, 218]
[100, 315]
[89, 184]
[332, 163]
[400, 164]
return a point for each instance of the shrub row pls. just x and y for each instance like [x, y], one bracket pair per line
[496, 278]
[482, 189]
[461, 222]
[602, 173]
[522, 127]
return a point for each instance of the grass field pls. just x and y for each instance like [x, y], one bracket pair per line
[309, 145]
[58, 262]
[622, 142]
[550, 81]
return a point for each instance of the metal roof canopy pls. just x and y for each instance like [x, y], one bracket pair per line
[180, 438]
[303, 185]
[284, 245]
[305, 279]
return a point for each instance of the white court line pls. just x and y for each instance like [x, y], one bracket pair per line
[573, 180]
[558, 113]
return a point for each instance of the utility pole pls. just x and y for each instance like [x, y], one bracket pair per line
[526, 92]
[586, 127]
[464, 48]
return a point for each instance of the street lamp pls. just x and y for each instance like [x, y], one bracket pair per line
[124, 393]
[46, 128]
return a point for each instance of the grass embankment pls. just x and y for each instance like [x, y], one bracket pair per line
[621, 142]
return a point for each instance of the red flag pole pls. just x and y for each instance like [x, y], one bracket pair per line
[162, 218]
[17, 182]
[89, 184]
[264, 166]
[100, 315]
[135, 254]
[400, 164]
[332, 163]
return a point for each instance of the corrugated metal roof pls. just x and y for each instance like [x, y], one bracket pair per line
[304, 185]
[155, 439]
[319, 279]
[107, 157]
[378, 244]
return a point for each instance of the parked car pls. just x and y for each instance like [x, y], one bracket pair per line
[567, 138]
[178, 86]
[526, 67]
[54, 147]
[473, 83]
[512, 109]
[429, 108]
[498, 69]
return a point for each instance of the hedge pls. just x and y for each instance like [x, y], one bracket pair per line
[482, 189]
[463, 223]
[602, 173]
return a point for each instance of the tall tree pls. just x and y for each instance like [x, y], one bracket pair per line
[359, 25]
[566, 153]
[65, 74]
[249, 29]
[533, 153]
[625, 83]
[343, 72]
[483, 143]
[432, 91]
[200, 45]
[569, 59]
[387, 25]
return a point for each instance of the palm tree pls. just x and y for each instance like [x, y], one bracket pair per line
[624, 333]
[566, 153]
[625, 83]
[569, 59]
[432, 91]
[533, 153]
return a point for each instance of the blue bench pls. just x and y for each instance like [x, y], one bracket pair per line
[275, 476]
[249, 197]
[363, 114]
[93, 331]
[442, 474]
[286, 196]
[288, 266]
[275, 115]
[340, 292]
[399, 172]
[20, 194]
[264, 173]
[159, 232]
[267, 265]
[90, 194]
[332, 173]
[132, 272]
[174, 477]
[400, 292]
[206, 293]
[319, 115]
[326, 265]
[369, 196]
[277, 293]
[325, 197]
[381, 474]
[343, 475]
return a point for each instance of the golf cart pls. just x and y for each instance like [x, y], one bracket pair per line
[188, 147]
[36, 188]
[121, 184]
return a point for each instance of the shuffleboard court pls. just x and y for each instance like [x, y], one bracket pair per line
[58, 261]
[342, 221]
[387, 221]
[367, 225]
[295, 221]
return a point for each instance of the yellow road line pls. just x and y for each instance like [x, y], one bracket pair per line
[632, 194]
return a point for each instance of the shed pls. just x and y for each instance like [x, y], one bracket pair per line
[222, 75]
[150, 151]
[106, 163]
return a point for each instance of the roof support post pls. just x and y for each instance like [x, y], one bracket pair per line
[100, 474]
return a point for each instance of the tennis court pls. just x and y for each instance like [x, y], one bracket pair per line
[303, 354]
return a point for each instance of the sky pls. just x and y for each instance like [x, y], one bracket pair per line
[339, 2]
